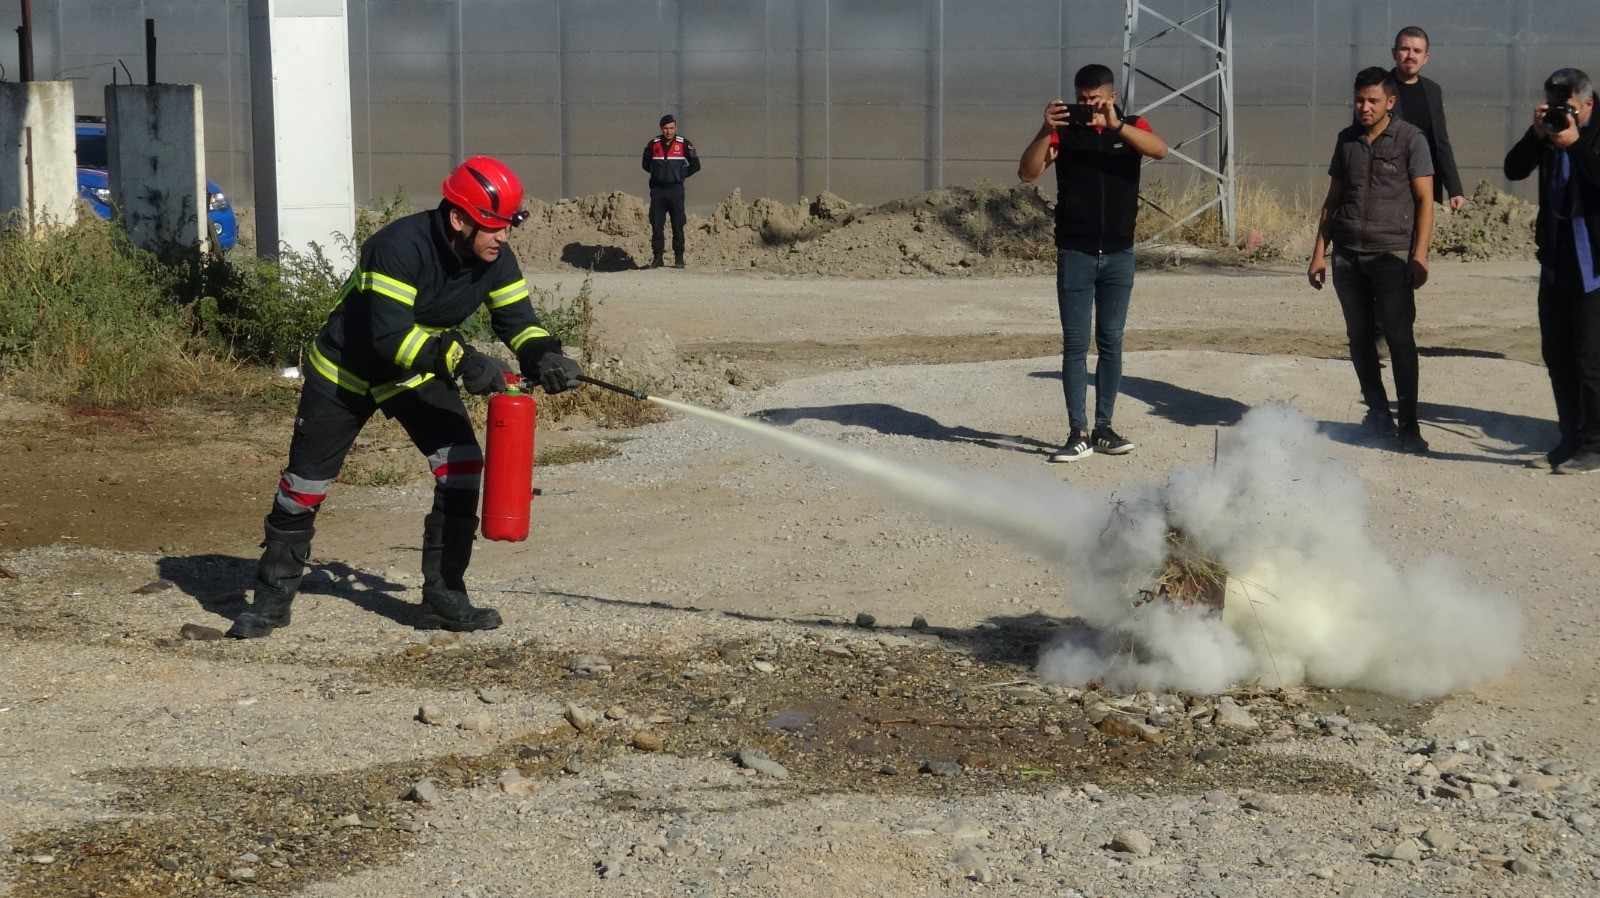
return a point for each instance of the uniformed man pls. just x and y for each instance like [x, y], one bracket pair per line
[670, 160]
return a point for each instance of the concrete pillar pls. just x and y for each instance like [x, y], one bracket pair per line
[300, 128]
[156, 153]
[38, 158]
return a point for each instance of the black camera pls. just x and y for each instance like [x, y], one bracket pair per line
[1559, 118]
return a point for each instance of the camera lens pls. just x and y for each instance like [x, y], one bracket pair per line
[1557, 118]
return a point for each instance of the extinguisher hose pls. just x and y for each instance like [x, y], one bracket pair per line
[612, 387]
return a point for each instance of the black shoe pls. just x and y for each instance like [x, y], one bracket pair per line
[1561, 453]
[655, 262]
[446, 552]
[1411, 440]
[1583, 462]
[278, 576]
[1108, 442]
[678, 262]
[1077, 446]
[1379, 423]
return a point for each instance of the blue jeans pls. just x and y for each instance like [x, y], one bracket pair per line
[1093, 288]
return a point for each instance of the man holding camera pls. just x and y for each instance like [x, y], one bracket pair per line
[1097, 151]
[1563, 144]
[1378, 216]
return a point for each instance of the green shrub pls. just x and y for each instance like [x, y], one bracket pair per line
[84, 316]
[266, 311]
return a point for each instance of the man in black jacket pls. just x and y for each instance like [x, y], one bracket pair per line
[1419, 101]
[670, 160]
[390, 345]
[1563, 144]
[1097, 154]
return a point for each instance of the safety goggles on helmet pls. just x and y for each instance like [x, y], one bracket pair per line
[506, 221]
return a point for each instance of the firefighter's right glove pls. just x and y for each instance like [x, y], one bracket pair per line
[557, 372]
[482, 374]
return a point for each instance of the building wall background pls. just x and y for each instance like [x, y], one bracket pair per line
[871, 99]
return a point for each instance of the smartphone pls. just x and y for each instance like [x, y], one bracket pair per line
[1079, 115]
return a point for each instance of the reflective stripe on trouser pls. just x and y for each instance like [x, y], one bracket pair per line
[457, 467]
[299, 495]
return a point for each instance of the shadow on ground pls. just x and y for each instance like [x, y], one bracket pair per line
[220, 584]
[895, 421]
[592, 257]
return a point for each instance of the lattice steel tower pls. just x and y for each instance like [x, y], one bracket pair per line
[1211, 91]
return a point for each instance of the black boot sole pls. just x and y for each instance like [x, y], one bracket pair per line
[427, 620]
[248, 626]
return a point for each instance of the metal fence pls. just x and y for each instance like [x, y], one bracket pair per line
[871, 99]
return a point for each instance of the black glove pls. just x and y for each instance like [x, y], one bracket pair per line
[557, 372]
[481, 374]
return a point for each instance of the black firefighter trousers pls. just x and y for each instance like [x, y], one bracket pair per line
[328, 421]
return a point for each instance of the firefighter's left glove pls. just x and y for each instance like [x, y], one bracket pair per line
[482, 374]
[557, 372]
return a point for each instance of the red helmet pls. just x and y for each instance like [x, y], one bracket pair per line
[487, 191]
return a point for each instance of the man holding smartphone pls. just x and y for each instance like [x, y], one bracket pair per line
[1097, 152]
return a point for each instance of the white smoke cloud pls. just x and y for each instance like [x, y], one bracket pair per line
[1311, 599]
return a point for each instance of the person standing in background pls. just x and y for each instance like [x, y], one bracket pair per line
[670, 159]
[1419, 100]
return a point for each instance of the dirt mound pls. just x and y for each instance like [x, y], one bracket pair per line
[1492, 226]
[953, 230]
[983, 230]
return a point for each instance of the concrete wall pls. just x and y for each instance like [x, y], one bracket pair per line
[300, 91]
[38, 161]
[157, 150]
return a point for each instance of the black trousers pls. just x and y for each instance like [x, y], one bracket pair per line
[1372, 286]
[665, 202]
[328, 421]
[1569, 335]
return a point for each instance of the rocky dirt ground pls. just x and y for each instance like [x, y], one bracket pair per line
[727, 671]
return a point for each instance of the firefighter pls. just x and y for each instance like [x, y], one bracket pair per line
[390, 345]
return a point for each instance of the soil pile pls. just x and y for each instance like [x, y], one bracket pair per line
[983, 230]
[953, 230]
[1492, 226]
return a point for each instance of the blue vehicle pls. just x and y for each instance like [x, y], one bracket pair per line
[94, 184]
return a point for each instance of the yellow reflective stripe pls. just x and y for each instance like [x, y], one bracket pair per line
[344, 291]
[325, 367]
[528, 333]
[508, 294]
[385, 392]
[406, 355]
[388, 286]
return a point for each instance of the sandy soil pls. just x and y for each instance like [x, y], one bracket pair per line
[693, 540]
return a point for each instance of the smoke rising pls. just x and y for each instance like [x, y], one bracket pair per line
[1311, 599]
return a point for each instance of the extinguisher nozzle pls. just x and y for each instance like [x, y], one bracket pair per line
[612, 387]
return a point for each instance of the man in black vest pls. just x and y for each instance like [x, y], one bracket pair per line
[1563, 144]
[1097, 153]
[1419, 101]
[1378, 215]
[670, 160]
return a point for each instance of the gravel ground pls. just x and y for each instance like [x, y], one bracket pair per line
[685, 701]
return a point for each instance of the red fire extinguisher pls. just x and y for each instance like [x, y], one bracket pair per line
[508, 465]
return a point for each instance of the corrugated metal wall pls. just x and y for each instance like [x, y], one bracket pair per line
[871, 99]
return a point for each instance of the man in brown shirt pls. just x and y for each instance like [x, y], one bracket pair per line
[1378, 217]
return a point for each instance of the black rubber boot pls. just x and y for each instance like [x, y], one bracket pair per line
[446, 551]
[278, 576]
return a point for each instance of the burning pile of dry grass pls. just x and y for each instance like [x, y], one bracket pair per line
[1191, 577]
